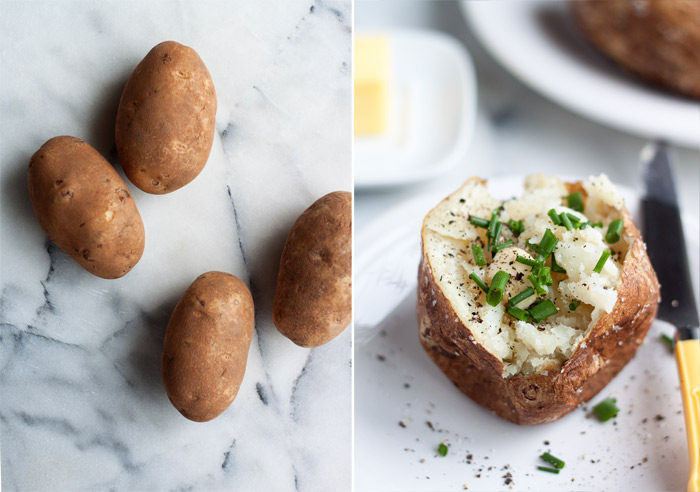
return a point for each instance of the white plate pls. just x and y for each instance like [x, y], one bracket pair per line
[433, 112]
[388, 457]
[538, 42]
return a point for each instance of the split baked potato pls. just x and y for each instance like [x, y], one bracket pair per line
[534, 316]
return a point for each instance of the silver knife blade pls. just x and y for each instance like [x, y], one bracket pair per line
[663, 234]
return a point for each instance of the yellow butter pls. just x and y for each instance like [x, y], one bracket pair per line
[372, 79]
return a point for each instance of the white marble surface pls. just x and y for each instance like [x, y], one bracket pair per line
[517, 132]
[82, 406]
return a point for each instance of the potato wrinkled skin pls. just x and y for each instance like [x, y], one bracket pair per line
[165, 120]
[313, 299]
[206, 344]
[85, 208]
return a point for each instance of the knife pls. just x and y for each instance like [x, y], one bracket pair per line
[663, 233]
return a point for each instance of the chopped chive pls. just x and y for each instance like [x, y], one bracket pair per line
[518, 313]
[539, 288]
[548, 243]
[504, 244]
[553, 460]
[479, 282]
[596, 224]
[575, 221]
[545, 275]
[516, 226]
[606, 409]
[442, 449]
[555, 266]
[547, 469]
[543, 310]
[478, 255]
[614, 231]
[496, 234]
[526, 261]
[669, 341]
[573, 305]
[554, 216]
[566, 221]
[498, 283]
[513, 301]
[601, 262]
[479, 222]
[575, 201]
[492, 223]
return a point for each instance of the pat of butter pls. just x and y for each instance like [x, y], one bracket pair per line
[372, 77]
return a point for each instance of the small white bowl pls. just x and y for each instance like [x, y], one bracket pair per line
[433, 112]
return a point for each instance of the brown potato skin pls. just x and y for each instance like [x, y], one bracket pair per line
[656, 40]
[165, 121]
[541, 398]
[84, 206]
[313, 299]
[206, 344]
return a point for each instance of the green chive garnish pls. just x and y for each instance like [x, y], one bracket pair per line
[671, 343]
[548, 243]
[479, 282]
[554, 216]
[555, 266]
[596, 224]
[614, 231]
[539, 288]
[478, 255]
[526, 261]
[442, 449]
[504, 244]
[479, 222]
[566, 222]
[575, 201]
[516, 227]
[601, 262]
[606, 409]
[547, 469]
[573, 305]
[553, 460]
[518, 313]
[496, 234]
[498, 283]
[575, 221]
[513, 301]
[543, 310]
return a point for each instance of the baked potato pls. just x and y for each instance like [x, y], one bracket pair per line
[313, 298]
[85, 207]
[165, 120]
[206, 344]
[532, 317]
[657, 40]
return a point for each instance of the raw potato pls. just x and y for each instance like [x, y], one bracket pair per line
[206, 345]
[84, 207]
[313, 299]
[657, 40]
[478, 346]
[165, 121]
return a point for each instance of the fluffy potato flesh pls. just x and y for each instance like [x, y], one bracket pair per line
[528, 347]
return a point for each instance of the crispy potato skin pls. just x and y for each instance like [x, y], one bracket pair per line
[542, 397]
[656, 40]
[84, 206]
[313, 298]
[165, 121]
[206, 344]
